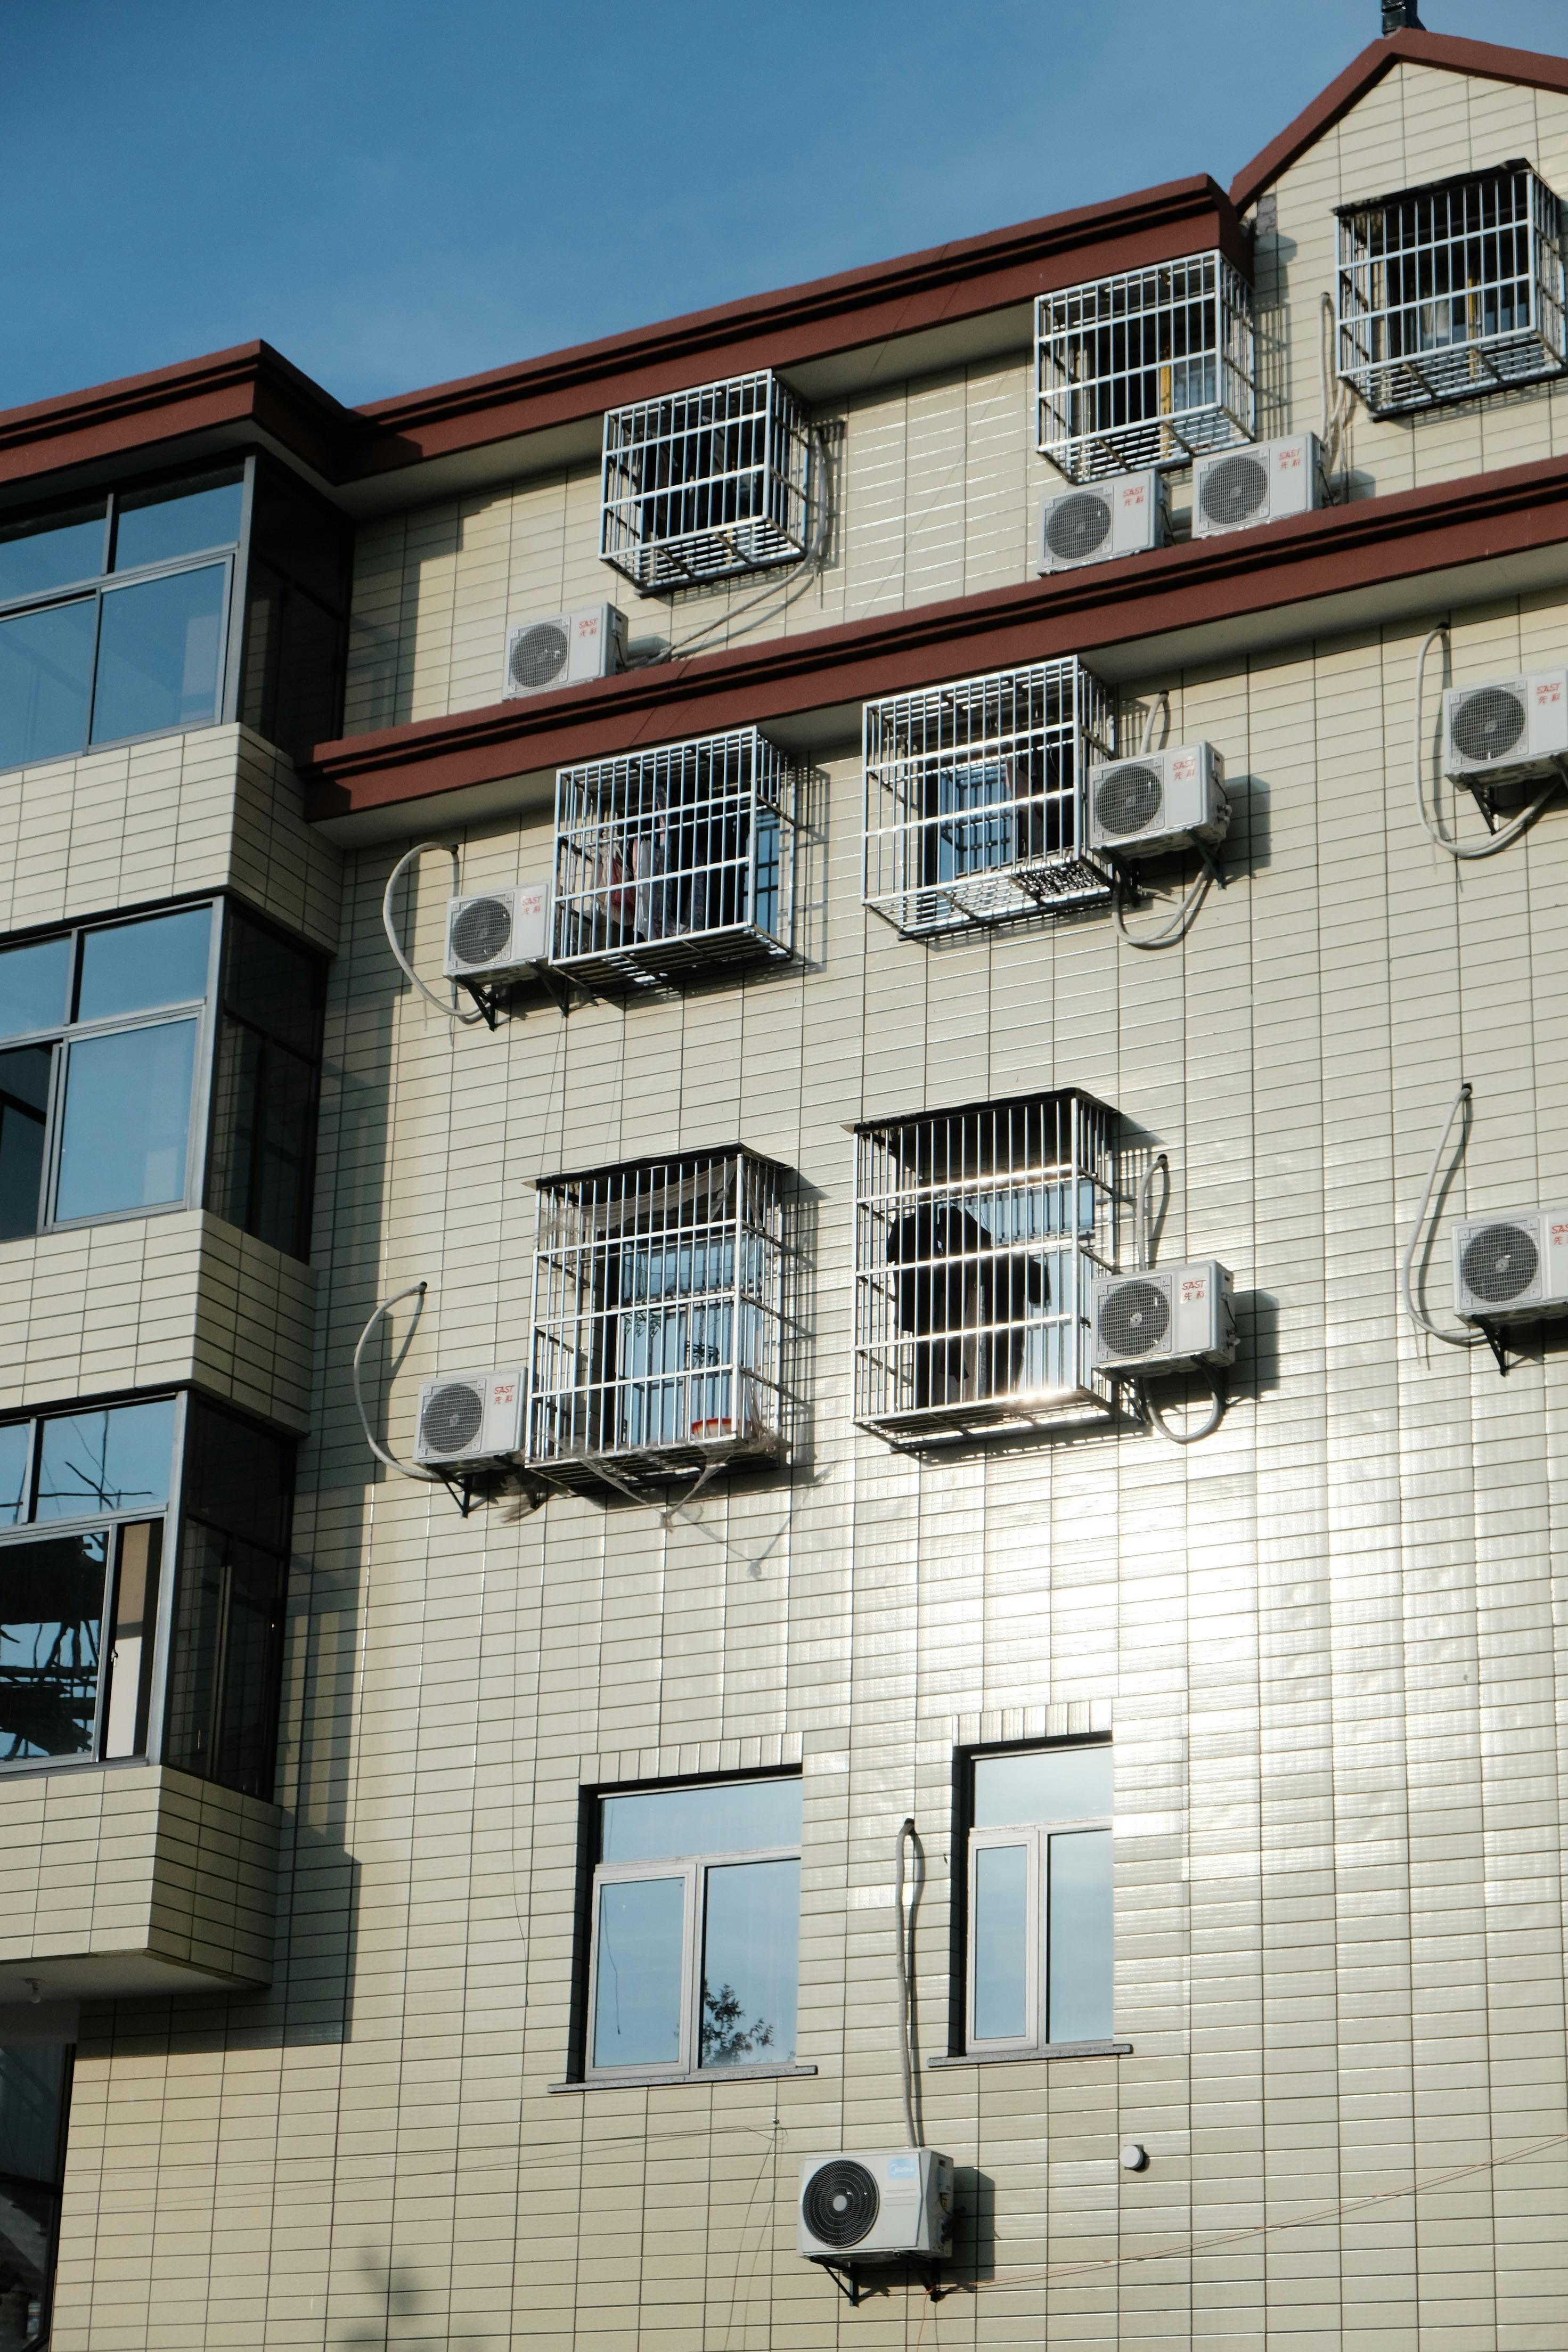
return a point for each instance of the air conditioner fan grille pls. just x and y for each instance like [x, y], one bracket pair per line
[481, 930]
[1129, 798]
[1077, 526]
[1234, 490]
[840, 2203]
[1489, 723]
[452, 1419]
[1135, 1318]
[1499, 1263]
[539, 654]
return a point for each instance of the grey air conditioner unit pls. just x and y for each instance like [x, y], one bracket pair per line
[1511, 1268]
[1121, 517]
[565, 650]
[859, 2208]
[1158, 800]
[469, 1418]
[498, 931]
[1507, 730]
[1159, 1321]
[1239, 489]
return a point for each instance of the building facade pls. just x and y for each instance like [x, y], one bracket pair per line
[779, 1164]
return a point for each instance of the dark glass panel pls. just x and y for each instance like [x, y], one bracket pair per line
[274, 985]
[731, 1817]
[158, 655]
[46, 680]
[158, 526]
[751, 1964]
[24, 1101]
[222, 1702]
[35, 982]
[14, 1449]
[264, 1124]
[52, 551]
[51, 1613]
[117, 1460]
[137, 967]
[237, 1478]
[293, 664]
[300, 538]
[35, 2091]
[127, 1120]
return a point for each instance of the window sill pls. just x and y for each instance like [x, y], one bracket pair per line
[1028, 2057]
[710, 2074]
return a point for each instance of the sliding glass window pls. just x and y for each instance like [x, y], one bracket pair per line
[1040, 1945]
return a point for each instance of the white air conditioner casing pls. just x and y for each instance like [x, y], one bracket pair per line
[1160, 1318]
[1124, 516]
[469, 1418]
[1237, 489]
[1157, 801]
[1507, 730]
[563, 650]
[856, 2207]
[493, 931]
[1511, 1268]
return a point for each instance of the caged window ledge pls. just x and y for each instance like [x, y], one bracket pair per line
[705, 485]
[1153, 368]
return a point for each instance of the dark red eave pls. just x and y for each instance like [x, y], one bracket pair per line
[1329, 554]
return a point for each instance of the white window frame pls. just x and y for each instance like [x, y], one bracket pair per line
[1035, 1837]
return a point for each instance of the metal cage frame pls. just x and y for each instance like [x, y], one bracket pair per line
[978, 1232]
[1151, 368]
[974, 798]
[1450, 292]
[706, 484]
[662, 1314]
[675, 858]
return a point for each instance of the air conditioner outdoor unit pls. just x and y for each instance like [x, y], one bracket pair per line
[498, 931]
[1238, 488]
[857, 2207]
[1122, 517]
[1157, 1321]
[1507, 730]
[563, 650]
[1158, 800]
[1511, 1268]
[469, 1418]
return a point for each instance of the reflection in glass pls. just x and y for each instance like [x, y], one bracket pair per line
[13, 1473]
[136, 967]
[130, 1648]
[45, 678]
[127, 1120]
[118, 1460]
[751, 1964]
[156, 526]
[636, 2006]
[1047, 1784]
[37, 556]
[24, 1102]
[51, 1610]
[34, 2087]
[1000, 1930]
[158, 654]
[1080, 1937]
[34, 983]
[733, 1817]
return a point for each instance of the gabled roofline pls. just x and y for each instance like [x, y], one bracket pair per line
[1527, 67]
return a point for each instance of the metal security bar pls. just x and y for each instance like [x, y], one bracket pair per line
[977, 1234]
[676, 857]
[1451, 291]
[974, 798]
[1149, 368]
[705, 484]
[658, 1316]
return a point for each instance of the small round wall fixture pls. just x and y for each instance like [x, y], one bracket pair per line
[1134, 2155]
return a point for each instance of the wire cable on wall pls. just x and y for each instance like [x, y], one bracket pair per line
[448, 1012]
[1416, 1312]
[381, 1453]
[904, 1930]
[1494, 842]
[1180, 923]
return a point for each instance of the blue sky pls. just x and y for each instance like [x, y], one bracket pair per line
[394, 192]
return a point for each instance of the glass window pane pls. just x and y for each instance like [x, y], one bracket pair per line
[1080, 1937]
[1048, 1784]
[127, 1119]
[136, 967]
[32, 2082]
[113, 1461]
[34, 985]
[751, 1964]
[24, 1100]
[130, 1646]
[1000, 1931]
[222, 1701]
[45, 676]
[156, 526]
[158, 654]
[237, 1478]
[14, 1473]
[53, 552]
[733, 1817]
[51, 1613]
[275, 986]
[636, 2007]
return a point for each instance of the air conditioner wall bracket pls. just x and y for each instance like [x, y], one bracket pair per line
[1494, 1339]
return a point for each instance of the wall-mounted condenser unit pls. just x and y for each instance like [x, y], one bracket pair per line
[1508, 730]
[1123, 516]
[1264, 484]
[1158, 800]
[1164, 1320]
[856, 2208]
[1511, 1268]
[542, 656]
[497, 932]
[469, 1419]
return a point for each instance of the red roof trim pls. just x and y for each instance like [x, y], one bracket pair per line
[1204, 581]
[1482, 59]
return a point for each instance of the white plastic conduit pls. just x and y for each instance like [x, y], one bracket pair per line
[1494, 842]
[448, 1012]
[1414, 1307]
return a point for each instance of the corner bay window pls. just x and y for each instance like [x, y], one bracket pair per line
[1041, 1949]
[694, 1946]
[143, 1554]
[107, 1034]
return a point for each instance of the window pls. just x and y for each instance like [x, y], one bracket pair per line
[106, 1036]
[676, 857]
[117, 611]
[694, 1947]
[34, 2100]
[660, 1314]
[705, 484]
[1450, 291]
[1039, 1899]
[977, 1234]
[95, 1594]
[1149, 368]
[974, 795]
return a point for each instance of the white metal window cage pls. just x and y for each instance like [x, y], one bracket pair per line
[705, 484]
[675, 858]
[978, 1232]
[974, 798]
[659, 1316]
[1152, 368]
[1451, 291]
